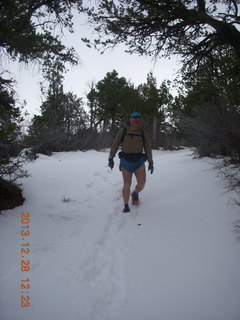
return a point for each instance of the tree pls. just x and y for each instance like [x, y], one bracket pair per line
[193, 29]
[154, 102]
[208, 111]
[10, 131]
[210, 82]
[28, 29]
[93, 105]
[10, 114]
[111, 101]
[63, 116]
[10, 140]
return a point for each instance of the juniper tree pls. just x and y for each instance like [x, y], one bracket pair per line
[192, 29]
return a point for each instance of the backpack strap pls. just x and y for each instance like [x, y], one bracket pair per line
[132, 134]
[123, 134]
[143, 135]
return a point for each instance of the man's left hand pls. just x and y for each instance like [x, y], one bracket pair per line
[150, 167]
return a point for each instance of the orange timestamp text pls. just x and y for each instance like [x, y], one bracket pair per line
[25, 262]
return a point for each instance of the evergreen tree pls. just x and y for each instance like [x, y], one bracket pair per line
[154, 102]
[10, 125]
[62, 116]
[111, 101]
[209, 108]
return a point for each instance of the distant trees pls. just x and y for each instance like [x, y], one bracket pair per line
[62, 117]
[208, 107]
[112, 100]
[154, 100]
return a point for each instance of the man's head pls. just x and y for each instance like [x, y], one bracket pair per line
[135, 119]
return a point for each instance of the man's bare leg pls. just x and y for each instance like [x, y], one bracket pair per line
[140, 174]
[127, 181]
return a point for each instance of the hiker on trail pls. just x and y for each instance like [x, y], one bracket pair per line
[133, 140]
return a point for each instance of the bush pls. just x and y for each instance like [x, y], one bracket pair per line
[214, 129]
[10, 195]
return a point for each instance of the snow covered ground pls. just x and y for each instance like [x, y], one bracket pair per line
[173, 258]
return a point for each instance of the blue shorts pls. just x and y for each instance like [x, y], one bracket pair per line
[131, 166]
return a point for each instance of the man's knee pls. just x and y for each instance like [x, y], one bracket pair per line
[126, 186]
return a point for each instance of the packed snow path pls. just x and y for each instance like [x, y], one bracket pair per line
[173, 258]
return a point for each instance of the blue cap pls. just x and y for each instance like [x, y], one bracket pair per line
[135, 114]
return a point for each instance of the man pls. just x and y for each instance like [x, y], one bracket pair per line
[133, 140]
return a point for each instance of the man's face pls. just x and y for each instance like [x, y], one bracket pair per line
[135, 121]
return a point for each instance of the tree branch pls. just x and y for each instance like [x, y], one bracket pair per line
[201, 5]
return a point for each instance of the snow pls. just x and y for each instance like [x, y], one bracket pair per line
[173, 258]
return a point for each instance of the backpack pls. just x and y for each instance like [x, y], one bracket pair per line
[132, 134]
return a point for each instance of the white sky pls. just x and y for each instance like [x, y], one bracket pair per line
[93, 67]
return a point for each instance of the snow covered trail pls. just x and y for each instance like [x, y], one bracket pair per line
[173, 258]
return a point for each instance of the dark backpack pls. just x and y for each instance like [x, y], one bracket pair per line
[132, 134]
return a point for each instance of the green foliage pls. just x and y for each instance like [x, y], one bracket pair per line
[93, 107]
[111, 101]
[154, 99]
[10, 132]
[210, 82]
[62, 117]
[10, 115]
[208, 111]
[28, 29]
[154, 104]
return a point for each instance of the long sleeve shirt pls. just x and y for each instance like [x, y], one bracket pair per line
[132, 143]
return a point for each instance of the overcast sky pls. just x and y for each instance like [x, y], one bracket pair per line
[93, 67]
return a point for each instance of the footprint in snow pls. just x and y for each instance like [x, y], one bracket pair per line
[105, 179]
[42, 248]
[66, 218]
[118, 197]
[116, 184]
[85, 200]
[36, 266]
[89, 185]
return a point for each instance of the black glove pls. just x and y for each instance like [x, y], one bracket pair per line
[110, 162]
[150, 167]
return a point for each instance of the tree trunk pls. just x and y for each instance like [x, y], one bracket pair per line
[154, 137]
